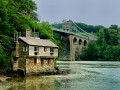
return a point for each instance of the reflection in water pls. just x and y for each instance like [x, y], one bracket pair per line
[83, 75]
[33, 83]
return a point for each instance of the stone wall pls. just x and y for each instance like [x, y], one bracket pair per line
[19, 64]
[77, 46]
[73, 46]
[22, 63]
[32, 68]
[65, 53]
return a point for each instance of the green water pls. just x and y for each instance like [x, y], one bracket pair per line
[83, 75]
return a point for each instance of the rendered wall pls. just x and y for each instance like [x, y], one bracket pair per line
[42, 52]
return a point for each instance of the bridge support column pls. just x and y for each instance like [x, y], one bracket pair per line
[71, 48]
[67, 52]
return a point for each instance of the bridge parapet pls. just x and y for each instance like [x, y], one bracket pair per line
[66, 32]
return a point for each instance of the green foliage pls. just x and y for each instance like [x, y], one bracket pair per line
[5, 61]
[106, 47]
[18, 15]
[45, 30]
[90, 28]
[14, 16]
[3, 18]
[114, 27]
[110, 36]
[57, 25]
[91, 53]
[116, 52]
[6, 47]
[112, 53]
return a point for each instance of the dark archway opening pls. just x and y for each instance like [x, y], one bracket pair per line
[85, 43]
[80, 41]
[75, 40]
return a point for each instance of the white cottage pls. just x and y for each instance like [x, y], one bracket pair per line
[35, 55]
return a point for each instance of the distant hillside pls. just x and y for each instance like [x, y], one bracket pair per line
[87, 28]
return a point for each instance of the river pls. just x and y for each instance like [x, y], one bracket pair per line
[83, 75]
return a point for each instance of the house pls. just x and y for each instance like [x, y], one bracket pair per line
[34, 55]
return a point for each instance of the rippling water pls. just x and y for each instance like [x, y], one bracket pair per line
[83, 75]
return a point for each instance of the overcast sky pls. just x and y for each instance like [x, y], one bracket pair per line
[92, 12]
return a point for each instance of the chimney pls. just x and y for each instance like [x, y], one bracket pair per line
[25, 33]
[28, 33]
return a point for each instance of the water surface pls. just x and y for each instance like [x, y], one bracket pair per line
[83, 75]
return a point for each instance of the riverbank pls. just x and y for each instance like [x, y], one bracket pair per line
[4, 78]
[16, 74]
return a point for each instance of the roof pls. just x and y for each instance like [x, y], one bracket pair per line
[38, 42]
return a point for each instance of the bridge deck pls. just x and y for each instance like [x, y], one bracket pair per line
[71, 33]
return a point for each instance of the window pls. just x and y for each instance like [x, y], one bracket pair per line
[42, 62]
[45, 49]
[25, 49]
[51, 51]
[36, 34]
[35, 61]
[36, 50]
[49, 62]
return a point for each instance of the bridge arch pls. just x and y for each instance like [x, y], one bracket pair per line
[85, 43]
[75, 40]
[80, 41]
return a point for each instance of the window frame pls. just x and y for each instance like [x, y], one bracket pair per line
[36, 34]
[25, 48]
[51, 50]
[45, 49]
[36, 50]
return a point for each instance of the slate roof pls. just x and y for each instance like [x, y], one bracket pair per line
[38, 42]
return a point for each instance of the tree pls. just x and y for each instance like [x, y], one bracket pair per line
[92, 52]
[18, 15]
[110, 36]
[106, 47]
[114, 27]
[3, 18]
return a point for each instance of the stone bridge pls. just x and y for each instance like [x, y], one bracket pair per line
[73, 44]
